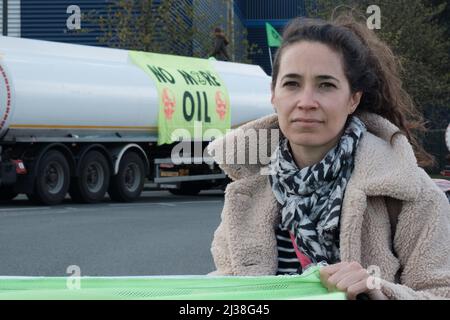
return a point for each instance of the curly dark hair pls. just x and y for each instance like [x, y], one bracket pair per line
[370, 66]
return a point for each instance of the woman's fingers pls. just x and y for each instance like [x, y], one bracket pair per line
[328, 271]
[345, 275]
[349, 277]
[355, 289]
[352, 278]
[342, 272]
[332, 268]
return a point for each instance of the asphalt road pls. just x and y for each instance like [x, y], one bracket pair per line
[161, 234]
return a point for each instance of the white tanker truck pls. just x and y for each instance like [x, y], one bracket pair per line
[87, 120]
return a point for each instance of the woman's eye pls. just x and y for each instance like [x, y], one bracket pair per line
[327, 85]
[290, 84]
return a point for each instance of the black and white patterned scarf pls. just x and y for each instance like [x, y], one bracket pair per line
[311, 197]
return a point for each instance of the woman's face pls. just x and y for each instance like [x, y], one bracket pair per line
[312, 95]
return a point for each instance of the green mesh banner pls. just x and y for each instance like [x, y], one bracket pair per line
[306, 286]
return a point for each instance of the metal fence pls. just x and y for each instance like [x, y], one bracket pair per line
[434, 143]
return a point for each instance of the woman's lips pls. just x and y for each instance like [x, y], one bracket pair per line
[306, 123]
[306, 120]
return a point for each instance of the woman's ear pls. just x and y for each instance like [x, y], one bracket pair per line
[355, 100]
[272, 101]
[272, 97]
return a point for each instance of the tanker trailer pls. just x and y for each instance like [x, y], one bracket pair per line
[88, 120]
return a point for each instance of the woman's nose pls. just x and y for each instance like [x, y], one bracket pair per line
[306, 99]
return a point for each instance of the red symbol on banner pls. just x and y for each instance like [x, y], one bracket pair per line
[221, 105]
[168, 99]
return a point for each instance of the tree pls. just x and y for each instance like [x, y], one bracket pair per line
[167, 26]
[443, 17]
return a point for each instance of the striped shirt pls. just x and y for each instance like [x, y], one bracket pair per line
[288, 262]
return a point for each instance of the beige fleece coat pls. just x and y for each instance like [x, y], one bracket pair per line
[409, 242]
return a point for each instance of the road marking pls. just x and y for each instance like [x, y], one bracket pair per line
[10, 212]
[22, 209]
[19, 214]
[204, 201]
[167, 204]
[15, 212]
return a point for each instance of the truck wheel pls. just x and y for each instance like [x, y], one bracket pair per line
[187, 189]
[52, 179]
[127, 185]
[7, 193]
[91, 185]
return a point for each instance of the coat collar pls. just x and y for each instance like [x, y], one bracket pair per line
[382, 167]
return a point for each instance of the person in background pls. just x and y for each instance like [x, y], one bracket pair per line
[220, 44]
[344, 185]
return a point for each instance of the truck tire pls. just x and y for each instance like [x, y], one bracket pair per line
[7, 193]
[187, 189]
[93, 182]
[52, 179]
[127, 185]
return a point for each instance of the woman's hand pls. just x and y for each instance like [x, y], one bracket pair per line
[351, 278]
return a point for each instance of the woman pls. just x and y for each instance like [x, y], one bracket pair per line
[345, 187]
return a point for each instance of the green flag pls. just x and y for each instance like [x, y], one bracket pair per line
[273, 37]
[192, 95]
